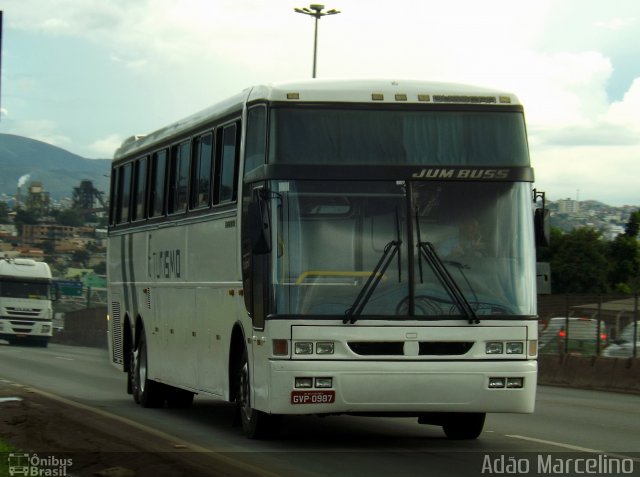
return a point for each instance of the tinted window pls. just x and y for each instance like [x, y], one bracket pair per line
[256, 138]
[124, 193]
[156, 198]
[140, 189]
[179, 181]
[202, 171]
[228, 164]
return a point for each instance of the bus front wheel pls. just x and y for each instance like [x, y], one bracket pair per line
[145, 391]
[255, 424]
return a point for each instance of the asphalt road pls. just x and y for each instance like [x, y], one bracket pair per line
[567, 424]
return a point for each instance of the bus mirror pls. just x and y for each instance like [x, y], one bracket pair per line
[259, 225]
[56, 292]
[542, 227]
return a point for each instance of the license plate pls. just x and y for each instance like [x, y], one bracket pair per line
[313, 397]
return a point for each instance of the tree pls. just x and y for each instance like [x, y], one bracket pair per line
[632, 228]
[624, 255]
[579, 262]
[4, 213]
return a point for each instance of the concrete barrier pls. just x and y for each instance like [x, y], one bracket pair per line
[86, 327]
[607, 374]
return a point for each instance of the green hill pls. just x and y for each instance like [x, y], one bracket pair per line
[58, 170]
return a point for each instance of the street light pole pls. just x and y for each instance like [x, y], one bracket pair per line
[317, 12]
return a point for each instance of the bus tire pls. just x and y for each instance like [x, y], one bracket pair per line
[146, 392]
[464, 425]
[255, 424]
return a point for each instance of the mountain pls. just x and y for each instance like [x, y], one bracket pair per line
[27, 160]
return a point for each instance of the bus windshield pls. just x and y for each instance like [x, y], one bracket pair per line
[393, 137]
[343, 245]
[37, 290]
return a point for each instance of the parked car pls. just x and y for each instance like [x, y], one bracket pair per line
[622, 347]
[576, 335]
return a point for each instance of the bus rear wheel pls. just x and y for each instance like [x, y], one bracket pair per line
[255, 424]
[146, 392]
[464, 425]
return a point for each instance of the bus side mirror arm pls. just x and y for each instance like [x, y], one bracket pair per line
[259, 224]
[541, 224]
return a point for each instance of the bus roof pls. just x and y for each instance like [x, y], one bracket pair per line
[329, 91]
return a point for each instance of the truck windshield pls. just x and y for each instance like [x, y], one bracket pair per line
[355, 249]
[35, 290]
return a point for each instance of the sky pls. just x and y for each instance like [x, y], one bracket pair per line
[86, 74]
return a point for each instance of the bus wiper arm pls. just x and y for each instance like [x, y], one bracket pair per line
[429, 252]
[390, 251]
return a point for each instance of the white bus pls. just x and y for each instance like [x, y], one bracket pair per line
[330, 247]
[26, 295]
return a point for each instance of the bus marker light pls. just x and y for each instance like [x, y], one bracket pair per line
[324, 347]
[304, 383]
[515, 347]
[280, 347]
[515, 383]
[304, 347]
[494, 347]
[324, 382]
[495, 383]
[293, 95]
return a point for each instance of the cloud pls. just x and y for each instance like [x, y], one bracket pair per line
[40, 130]
[105, 147]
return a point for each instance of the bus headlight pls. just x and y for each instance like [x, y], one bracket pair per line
[494, 347]
[304, 347]
[324, 347]
[515, 347]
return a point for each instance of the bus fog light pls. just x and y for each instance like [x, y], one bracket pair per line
[324, 382]
[494, 347]
[515, 347]
[280, 348]
[515, 383]
[495, 383]
[304, 382]
[324, 347]
[46, 328]
[304, 347]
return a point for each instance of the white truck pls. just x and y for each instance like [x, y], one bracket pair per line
[26, 295]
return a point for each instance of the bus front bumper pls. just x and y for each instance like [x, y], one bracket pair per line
[401, 387]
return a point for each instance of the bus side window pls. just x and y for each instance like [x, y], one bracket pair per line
[113, 200]
[201, 180]
[255, 147]
[140, 189]
[124, 194]
[228, 164]
[179, 178]
[157, 183]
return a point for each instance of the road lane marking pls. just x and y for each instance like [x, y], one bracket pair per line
[572, 447]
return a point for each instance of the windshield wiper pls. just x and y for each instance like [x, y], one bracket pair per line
[390, 251]
[429, 253]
